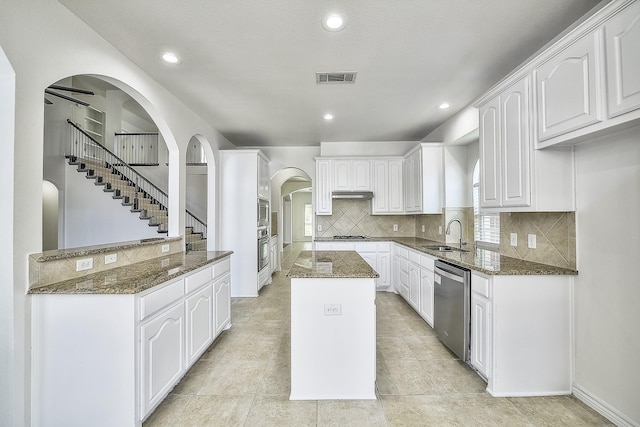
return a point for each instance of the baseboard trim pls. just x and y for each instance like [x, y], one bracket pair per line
[603, 408]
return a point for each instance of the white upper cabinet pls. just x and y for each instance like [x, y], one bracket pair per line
[424, 179]
[513, 176]
[587, 83]
[490, 155]
[323, 187]
[568, 94]
[264, 185]
[387, 186]
[622, 44]
[352, 175]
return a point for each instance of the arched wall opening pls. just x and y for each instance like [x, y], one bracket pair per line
[200, 192]
[284, 183]
[108, 127]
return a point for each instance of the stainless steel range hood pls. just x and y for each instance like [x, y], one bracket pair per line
[360, 195]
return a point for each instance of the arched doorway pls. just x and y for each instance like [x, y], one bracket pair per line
[197, 195]
[285, 183]
[93, 127]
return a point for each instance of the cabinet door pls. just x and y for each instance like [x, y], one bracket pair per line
[199, 311]
[567, 89]
[622, 42]
[380, 202]
[323, 187]
[413, 185]
[490, 174]
[222, 298]
[426, 295]
[514, 137]
[383, 267]
[342, 175]
[161, 356]
[395, 189]
[361, 175]
[263, 179]
[480, 334]
[414, 286]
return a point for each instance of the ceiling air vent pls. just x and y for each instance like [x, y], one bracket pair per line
[339, 77]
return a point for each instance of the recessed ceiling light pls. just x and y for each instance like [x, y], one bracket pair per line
[444, 106]
[170, 57]
[328, 117]
[334, 22]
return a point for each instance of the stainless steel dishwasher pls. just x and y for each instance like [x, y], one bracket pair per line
[452, 307]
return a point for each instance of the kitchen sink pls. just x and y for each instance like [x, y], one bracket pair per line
[444, 248]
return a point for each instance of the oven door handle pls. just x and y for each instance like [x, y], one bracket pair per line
[449, 275]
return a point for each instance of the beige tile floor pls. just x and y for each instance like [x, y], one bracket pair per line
[243, 378]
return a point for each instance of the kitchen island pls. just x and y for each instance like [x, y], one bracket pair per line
[333, 326]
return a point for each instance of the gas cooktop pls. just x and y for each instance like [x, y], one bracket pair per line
[350, 237]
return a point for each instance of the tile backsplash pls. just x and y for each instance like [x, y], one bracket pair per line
[555, 231]
[353, 217]
[555, 237]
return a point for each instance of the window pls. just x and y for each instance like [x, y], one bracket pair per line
[486, 225]
[308, 226]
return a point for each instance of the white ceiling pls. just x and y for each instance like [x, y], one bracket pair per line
[248, 66]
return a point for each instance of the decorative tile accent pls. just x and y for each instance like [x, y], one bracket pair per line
[555, 237]
[353, 217]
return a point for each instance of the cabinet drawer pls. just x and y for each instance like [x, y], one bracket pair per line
[384, 247]
[160, 298]
[427, 262]
[480, 285]
[197, 279]
[221, 267]
[366, 246]
[414, 257]
[402, 252]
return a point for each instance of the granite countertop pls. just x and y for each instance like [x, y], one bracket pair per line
[134, 278]
[331, 264]
[481, 260]
[99, 249]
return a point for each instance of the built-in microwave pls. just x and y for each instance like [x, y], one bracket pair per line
[263, 213]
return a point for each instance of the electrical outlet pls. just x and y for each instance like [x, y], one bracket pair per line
[165, 248]
[111, 258]
[514, 239]
[319, 227]
[440, 229]
[395, 227]
[84, 264]
[531, 238]
[424, 228]
[333, 309]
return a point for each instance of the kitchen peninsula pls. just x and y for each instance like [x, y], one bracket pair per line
[333, 326]
[115, 341]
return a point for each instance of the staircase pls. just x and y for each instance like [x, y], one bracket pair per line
[124, 183]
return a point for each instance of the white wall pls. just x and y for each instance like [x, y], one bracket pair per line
[50, 196]
[92, 217]
[298, 200]
[44, 42]
[607, 288]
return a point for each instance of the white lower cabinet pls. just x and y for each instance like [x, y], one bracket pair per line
[127, 350]
[222, 290]
[199, 326]
[426, 288]
[414, 280]
[162, 355]
[480, 325]
[414, 286]
[521, 333]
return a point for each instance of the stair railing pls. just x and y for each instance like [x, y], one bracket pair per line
[124, 181]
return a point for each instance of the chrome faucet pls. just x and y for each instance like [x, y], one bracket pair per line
[448, 231]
